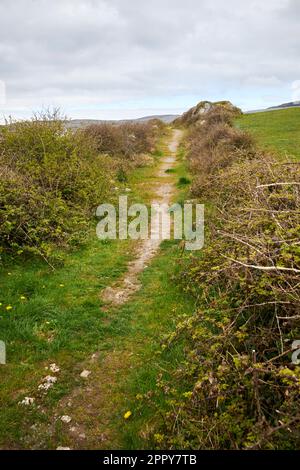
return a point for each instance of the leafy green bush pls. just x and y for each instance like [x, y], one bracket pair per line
[50, 181]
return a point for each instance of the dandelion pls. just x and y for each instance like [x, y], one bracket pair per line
[9, 307]
[9, 274]
[127, 414]
[23, 297]
[61, 285]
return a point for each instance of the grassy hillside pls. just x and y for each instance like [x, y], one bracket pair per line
[276, 130]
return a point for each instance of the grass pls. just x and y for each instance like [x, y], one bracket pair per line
[58, 317]
[277, 130]
[60, 320]
[183, 180]
[154, 316]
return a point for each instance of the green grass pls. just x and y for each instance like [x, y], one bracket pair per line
[277, 130]
[183, 180]
[61, 319]
[155, 311]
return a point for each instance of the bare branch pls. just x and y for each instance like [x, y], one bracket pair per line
[263, 268]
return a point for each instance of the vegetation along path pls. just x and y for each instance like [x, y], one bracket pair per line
[163, 191]
[96, 401]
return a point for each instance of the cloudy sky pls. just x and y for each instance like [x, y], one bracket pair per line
[129, 58]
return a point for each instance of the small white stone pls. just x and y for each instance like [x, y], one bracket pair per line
[48, 382]
[62, 448]
[50, 379]
[27, 401]
[66, 419]
[85, 373]
[54, 368]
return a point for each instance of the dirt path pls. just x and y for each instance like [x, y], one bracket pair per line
[90, 409]
[163, 192]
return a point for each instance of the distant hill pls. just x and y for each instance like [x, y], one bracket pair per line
[291, 104]
[81, 123]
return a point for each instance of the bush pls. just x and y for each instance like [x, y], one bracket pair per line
[127, 140]
[214, 145]
[242, 389]
[51, 180]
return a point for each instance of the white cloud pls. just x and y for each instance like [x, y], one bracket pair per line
[90, 55]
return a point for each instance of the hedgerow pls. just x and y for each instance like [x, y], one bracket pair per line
[126, 140]
[52, 179]
[242, 390]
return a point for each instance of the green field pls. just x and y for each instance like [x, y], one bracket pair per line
[275, 130]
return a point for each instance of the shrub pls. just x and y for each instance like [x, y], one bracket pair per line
[213, 146]
[126, 140]
[51, 180]
[242, 389]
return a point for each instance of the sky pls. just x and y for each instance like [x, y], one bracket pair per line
[113, 59]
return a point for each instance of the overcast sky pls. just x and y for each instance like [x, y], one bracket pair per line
[128, 58]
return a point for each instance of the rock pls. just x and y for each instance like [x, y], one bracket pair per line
[47, 383]
[27, 401]
[54, 368]
[85, 373]
[66, 419]
[62, 448]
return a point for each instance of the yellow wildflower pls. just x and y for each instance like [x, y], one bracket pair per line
[159, 438]
[23, 297]
[127, 414]
[9, 307]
